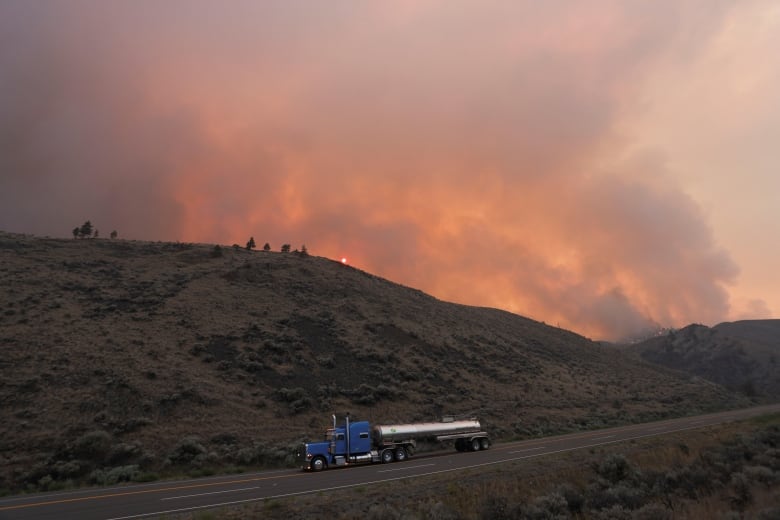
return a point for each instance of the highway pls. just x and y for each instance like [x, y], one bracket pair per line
[127, 502]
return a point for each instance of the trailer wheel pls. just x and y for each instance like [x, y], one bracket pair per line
[387, 456]
[318, 464]
[475, 445]
[484, 443]
[400, 454]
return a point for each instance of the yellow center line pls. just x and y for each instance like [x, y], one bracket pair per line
[142, 491]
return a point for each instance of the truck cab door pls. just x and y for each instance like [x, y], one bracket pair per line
[341, 444]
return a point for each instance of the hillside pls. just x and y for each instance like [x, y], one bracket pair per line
[151, 356]
[742, 355]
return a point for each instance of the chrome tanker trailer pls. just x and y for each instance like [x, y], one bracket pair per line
[355, 442]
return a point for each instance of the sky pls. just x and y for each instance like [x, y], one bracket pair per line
[609, 167]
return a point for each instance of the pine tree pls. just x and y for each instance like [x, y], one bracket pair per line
[86, 230]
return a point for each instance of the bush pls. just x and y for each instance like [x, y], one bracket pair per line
[495, 508]
[93, 446]
[123, 452]
[614, 468]
[574, 499]
[297, 398]
[383, 512]
[438, 511]
[146, 476]
[742, 494]
[653, 512]
[115, 475]
[761, 474]
[553, 505]
[67, 469]
[613, 513]
[187, 451]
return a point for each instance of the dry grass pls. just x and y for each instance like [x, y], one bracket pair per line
[244, 354]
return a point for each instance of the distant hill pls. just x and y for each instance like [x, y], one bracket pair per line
[742, 355]
[120, 357]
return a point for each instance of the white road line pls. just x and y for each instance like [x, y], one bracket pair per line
[528, 449]
[209, 493]
[404, 468]
[602, 438]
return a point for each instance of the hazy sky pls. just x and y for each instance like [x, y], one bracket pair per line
[604, 166]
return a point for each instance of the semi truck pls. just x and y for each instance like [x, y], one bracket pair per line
[356, 442]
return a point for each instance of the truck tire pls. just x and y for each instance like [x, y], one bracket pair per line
[318, 464]
[387, 456]
[475, 445]
[484, 443]
[400, 454]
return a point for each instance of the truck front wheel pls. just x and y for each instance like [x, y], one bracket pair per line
[318, 464]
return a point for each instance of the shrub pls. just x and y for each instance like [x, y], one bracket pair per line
[186, 451]
[742, 494]
[297, 398]
[495, 508]
[383, 512]
[551, 506]
[45, 482]
[438, 511]
[123, 452]
[614, 468]
[574, 499]
[613, 513]
[652, 511]
[68, 469]
[114, 476]
[93, 446]
[761, 474]
[146, 476]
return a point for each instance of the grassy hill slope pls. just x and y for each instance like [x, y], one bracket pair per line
[741, 355]
[132, 356]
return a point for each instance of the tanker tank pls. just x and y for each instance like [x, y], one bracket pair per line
[397, 432]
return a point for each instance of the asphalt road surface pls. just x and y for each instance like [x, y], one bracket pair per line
[175, 497]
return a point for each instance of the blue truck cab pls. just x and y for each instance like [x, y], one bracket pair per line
[349, 443]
